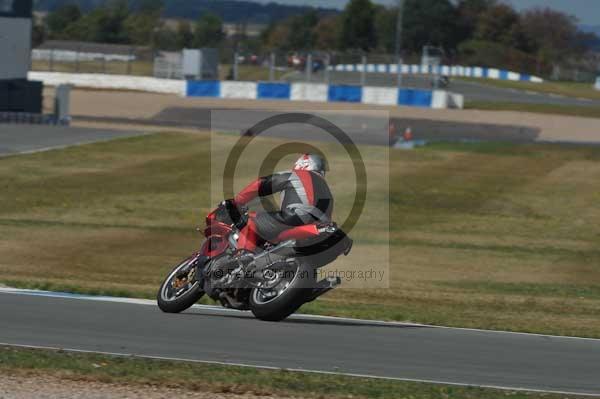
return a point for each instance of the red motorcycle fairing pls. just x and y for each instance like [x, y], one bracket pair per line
[214, 246]
[216, 234]
[211, 217]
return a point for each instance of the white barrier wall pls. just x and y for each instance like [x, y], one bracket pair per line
[493, 73]
[309, 92]
[242, 90]
[263, 90]
[439, 99]
[15, 53]
[102, 81]
[455, 101]
[380, 95]
[513, 76]
[455, 70]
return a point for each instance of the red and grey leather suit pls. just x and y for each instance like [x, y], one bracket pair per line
[305, 199]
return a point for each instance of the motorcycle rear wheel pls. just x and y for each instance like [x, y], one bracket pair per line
[287, 300]
[174, 299]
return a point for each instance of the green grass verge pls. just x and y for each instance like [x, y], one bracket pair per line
[135, 68]
[251, 73]
[553, 109]
[569, 89]
[146, 68]
[231, 379]
[529, 289]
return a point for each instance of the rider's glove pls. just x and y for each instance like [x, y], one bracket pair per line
[230, 212]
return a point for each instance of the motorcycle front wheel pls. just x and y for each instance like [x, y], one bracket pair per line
[181, 289]
[285, 290]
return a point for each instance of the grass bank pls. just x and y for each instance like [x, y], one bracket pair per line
[569, 89]
[146, 68]
[551, 109]
[496, 236]
[229, 379]
[134, 68]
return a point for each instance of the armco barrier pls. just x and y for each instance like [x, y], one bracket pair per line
[268, 90]
[455, 70]
[326, 93]
[345, 93]
[315, 92]
[205, 88]
[415, 98]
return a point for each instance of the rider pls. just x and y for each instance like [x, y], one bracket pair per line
[305, 199]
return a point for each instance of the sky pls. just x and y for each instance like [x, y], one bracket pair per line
[588, 11]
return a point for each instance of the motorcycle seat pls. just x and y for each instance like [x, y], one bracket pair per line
[299, 233]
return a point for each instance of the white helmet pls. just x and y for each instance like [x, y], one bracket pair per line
[312, 162]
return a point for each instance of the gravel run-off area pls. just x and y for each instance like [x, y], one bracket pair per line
[40, 386]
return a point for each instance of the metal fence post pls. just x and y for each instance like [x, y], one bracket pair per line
[308, 67]
[235, 65]
[131, 52]
[327, 64]
[363, 74]
[62, 112]
[399, 66]
[51, 61]
[272, 67]
[77, 59]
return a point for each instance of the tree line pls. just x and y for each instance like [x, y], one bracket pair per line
[473, 32]
[476, 32]
[233, 11]
[118, 22]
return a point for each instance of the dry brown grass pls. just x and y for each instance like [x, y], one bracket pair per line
[483, 235]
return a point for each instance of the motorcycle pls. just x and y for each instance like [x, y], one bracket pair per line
[272, 282]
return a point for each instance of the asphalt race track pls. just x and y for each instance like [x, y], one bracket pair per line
[319, 344]
[361, 129]
[16, 139]
[389, 350]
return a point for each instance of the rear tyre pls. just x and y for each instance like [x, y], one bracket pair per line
[289, 296]
[181, 289]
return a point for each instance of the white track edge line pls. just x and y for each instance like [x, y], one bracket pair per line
[366, 322]
[299, 370]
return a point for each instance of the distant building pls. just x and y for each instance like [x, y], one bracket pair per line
[17, 94]
[15, 38]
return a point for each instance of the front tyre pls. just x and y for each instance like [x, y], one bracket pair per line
[181, 289]
[285, 290]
